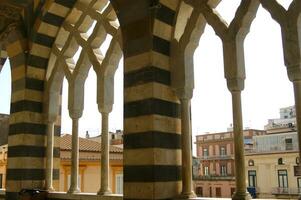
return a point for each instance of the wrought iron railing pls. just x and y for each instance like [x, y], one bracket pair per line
[284, 190]
[218, 157]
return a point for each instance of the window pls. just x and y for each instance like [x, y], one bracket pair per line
[280, 161]
[288, 144]
[119, 183]
[252, 178]
[223, 170]
[1, 180]
[206, 171]
[218, 192]
[299, 183]
[282, 179]
[223, 151]
[205, 152]
[199, 191]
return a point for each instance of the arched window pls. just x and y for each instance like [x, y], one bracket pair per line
[251, 162]
[280, 161]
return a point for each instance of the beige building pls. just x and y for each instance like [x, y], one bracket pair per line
[89, 166]
[271, 166]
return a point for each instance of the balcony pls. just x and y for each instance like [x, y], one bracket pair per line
[217, 157]
[215, 177]
[286, 191]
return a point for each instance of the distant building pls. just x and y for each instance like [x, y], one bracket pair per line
[215, 176]
[286, 122]
[272, 166]
[89, 166]
[116, 138]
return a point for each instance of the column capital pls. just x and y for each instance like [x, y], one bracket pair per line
[294, 72]
[50, 118]
[105, 108]
[236, 84]
[184, 93]
[75, 113]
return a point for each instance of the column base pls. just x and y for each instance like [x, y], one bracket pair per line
[73, 191]
[105, 192]
[241, 196]
[50, 189]
[186, 195]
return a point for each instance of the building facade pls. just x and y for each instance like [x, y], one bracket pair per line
[89, 166]
[272, 166]
[216, 176]
[286, 121]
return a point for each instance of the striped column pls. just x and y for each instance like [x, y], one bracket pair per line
[3, 56]
[27, 130]
[152, 124]
[26, 141]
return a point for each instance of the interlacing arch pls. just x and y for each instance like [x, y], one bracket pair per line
[185, 41]
[78, 47]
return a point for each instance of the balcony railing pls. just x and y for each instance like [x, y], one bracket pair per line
[218, 157]
[215, 177]
[286, 191]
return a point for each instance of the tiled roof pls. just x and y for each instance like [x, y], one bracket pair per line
[85, 145]
[66, 155]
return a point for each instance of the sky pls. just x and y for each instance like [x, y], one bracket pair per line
[267, 87]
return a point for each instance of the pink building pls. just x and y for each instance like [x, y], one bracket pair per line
[215, 152]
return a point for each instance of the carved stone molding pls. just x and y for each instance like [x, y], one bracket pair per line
[10, 19]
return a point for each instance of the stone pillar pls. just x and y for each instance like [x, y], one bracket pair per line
[235, 88]
[105, 148]
[290, 31]
[105, 101]
[149, 115]
[297, 93]
[187, 190]
[49, 162]
[74, 188]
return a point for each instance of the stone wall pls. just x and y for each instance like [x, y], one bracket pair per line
[4, 127]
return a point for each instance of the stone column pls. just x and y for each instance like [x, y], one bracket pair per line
[185, 95]
[74, 188]
[49, 161]
[297, 93]
[240, 178]
[105, 148]
[187, 190]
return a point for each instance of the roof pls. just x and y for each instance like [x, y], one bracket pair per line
[221, 133]
[85, 145]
